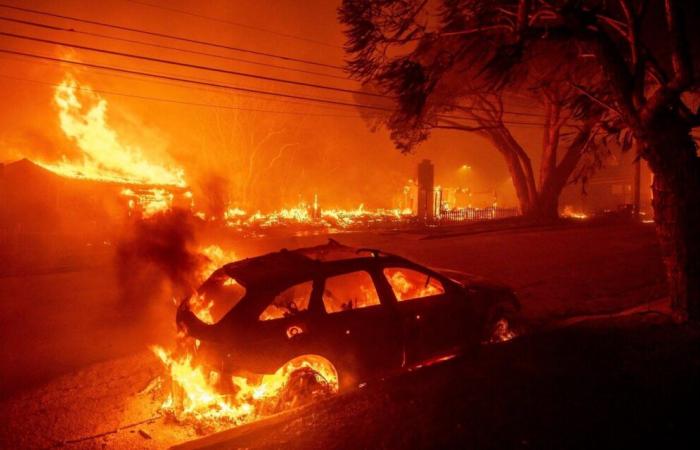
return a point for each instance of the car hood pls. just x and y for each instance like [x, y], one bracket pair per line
[469, 280]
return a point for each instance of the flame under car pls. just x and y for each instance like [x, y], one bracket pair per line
[360, 313]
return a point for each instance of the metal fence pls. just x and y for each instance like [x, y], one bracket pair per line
[475, 214]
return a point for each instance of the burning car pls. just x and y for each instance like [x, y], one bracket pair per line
[344, 315]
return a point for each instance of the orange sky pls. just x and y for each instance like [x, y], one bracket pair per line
[268, 158]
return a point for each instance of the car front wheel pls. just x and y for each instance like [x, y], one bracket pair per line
[503, 324]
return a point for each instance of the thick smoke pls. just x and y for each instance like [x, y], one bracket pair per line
[157, 260]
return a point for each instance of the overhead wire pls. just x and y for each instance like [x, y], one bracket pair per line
[109, 73]
[233, 23]
[167, 47]
[219, 70]
[171, 36]
[181, 102]
[522, 113]
[234, 88]
[206, 43]
[188, 65]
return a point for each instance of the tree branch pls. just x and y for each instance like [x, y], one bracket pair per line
[680, 56]
[453, 125]
[595, 99]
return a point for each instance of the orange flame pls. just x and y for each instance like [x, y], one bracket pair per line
[104, 156]
[194, 394]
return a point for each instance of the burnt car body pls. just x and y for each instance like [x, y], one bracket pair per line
[367, 312]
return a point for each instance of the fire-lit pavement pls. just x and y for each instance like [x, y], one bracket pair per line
[557, 273]
[628, 382]
[608, 383]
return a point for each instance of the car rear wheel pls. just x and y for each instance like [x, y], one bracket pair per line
[308, 378]
[303, 386]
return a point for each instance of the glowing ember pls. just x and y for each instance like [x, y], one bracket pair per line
[104, 156]
[148, 201]
[197, 394]
[311, 215]
[572, 214]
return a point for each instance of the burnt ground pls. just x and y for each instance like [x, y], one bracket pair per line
[76, 371]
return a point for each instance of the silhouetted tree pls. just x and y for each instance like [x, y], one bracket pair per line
[436, 85]
[644, 81]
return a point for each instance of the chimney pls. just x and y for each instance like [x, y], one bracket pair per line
[426, 181]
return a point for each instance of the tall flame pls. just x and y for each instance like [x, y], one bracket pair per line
[104, 156]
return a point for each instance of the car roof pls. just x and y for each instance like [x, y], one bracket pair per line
[287, 267]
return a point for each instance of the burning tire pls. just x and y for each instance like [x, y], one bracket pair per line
[303, 386]
[307, 378]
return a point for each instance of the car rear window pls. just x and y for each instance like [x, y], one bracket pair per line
[289, 302]
[216, 297]
[349, 291]
[409, 284]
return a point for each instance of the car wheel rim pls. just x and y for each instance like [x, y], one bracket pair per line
[502, 331]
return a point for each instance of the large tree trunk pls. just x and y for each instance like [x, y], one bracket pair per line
[547, 206]
[519, 167]
[671, 154]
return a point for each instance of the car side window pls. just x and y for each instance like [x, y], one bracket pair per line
[409, 284]
[349, 291]
[289, 302]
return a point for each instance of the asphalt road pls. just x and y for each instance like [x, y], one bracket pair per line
[75, 370]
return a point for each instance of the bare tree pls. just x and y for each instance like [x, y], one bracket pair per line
[246, 150]
[641, 49]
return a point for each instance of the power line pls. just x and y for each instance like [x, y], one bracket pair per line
[219, 70]
[188, 65]
[186, 80]
[234, 88]
[235, 24]
[182, 102]
[178, 84]
[167, 47]
[220, 46]
[517, 113]
[215, 90]
[170, 36]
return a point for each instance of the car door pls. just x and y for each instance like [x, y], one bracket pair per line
[360, 333]
[432, 319]
[283, 329]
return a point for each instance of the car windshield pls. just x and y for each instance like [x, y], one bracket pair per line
[216, 297]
